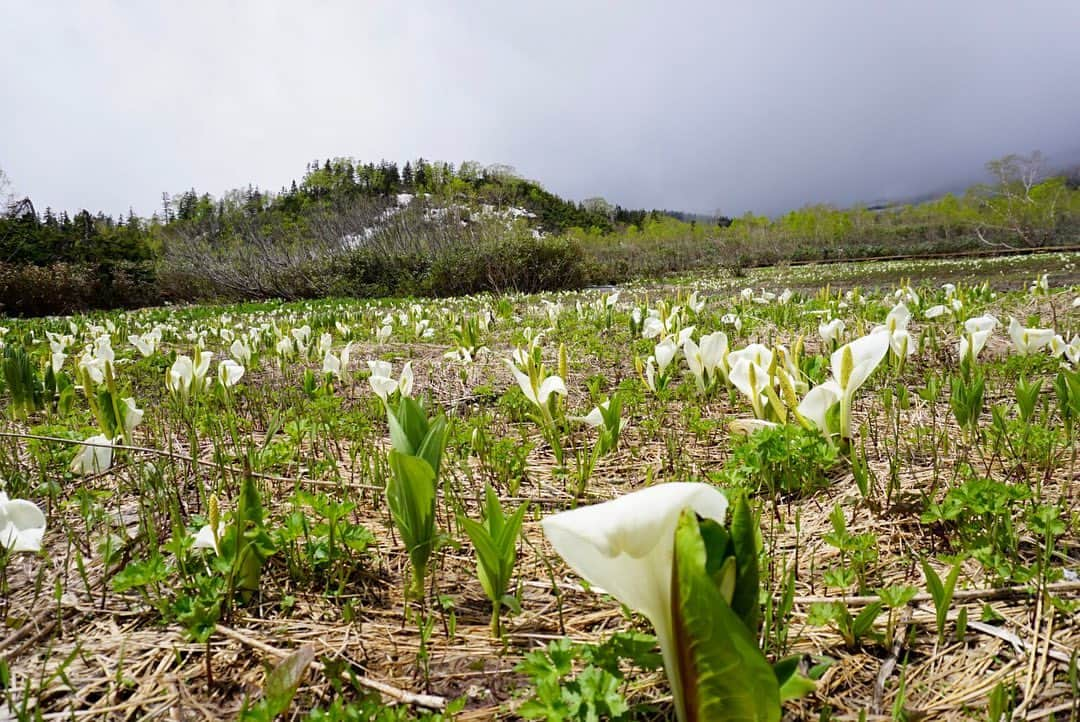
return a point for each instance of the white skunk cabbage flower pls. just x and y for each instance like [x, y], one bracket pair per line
[732, 319]
[751, 379]
[384, 384]
[831, 331]
[695, 304]
[336, 365]
[1040, 286]
[1072, 351]
[241, 352]
[180, 376]
[94, 457]
[229, 373]
[665, 353]
[145, 345]
[750, 373]
[538, 391]
[284, 347]
[936, 311]
[205, 538]
[626, 548]
[1029, 340]
[977, 331]
[852, 365]
[22, 524]
[133, 416]
[896, 325]
[816, 404]
[684, 335]
[187, 375]
[653, 327]
[302, 336]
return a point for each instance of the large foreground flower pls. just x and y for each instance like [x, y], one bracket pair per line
[626, 547]
[22, 524]
[230, 373]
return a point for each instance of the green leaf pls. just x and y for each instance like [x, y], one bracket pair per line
[792, 684]
[717, 546]
[433, 443]
[865, 619]
[284, 679]
[933, 583]
[399, 439]
[411, 496]
[252, 544]
[488, 557]
[744, 539]
[722, 674]
[507, 540]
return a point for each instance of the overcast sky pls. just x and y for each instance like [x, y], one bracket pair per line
[710, 105]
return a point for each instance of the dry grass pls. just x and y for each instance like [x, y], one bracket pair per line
[94, 654]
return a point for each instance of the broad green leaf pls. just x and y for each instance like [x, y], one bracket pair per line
[744, 539]
[433, 444]
[411, 496]
[507, 541]
[284, 679]
[722, 673]
[493, 511]
[253, 546]
[792, 684]
[717, 545]
[933, 583]
[865, 619]
[399, 439]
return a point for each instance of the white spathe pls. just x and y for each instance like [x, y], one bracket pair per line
[1029, 340]
[22, 524]
[230, 373]
[817, 402]
[977, 331]
[831, 331]
[205, 538]
[665, 353]
[626, 547]
[540, 392]
[133, 416]
[94, 457]
[383, 384]
[851, 366]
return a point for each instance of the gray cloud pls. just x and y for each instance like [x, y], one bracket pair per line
[692, 105]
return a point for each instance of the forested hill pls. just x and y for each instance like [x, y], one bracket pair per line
[41, 236]
[342, 181]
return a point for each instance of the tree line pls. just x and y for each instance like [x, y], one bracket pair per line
[353, 227]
